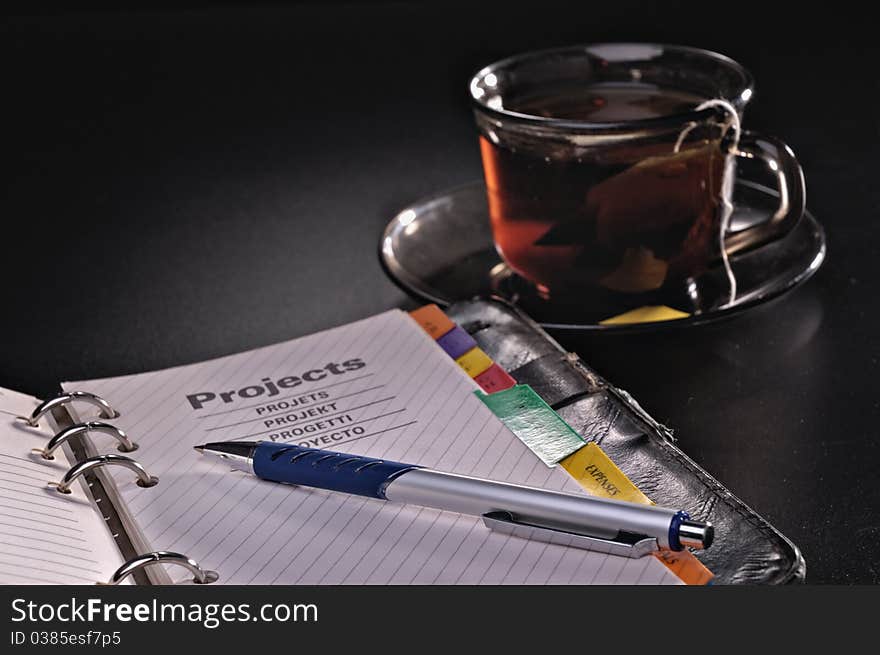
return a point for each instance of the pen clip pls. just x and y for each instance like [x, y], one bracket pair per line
[625, 544]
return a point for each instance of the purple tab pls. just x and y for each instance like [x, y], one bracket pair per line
[456, 342]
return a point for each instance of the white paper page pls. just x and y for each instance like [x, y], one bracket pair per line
[45, 537]
[404, 399]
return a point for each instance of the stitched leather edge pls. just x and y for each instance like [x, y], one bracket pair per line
[796, 570]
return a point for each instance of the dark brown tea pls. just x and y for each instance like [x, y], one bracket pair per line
[626, 214]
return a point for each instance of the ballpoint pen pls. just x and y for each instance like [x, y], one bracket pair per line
[558, 512]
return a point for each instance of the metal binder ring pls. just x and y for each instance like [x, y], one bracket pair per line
[126, 445]
[200, 575]
[66, 398]
[144, 478]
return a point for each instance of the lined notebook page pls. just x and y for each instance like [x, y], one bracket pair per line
[45, 537]
[378, 387]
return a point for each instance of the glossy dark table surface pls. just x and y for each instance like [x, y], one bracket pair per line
[186, 185]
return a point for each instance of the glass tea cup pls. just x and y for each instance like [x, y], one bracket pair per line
[604, 177]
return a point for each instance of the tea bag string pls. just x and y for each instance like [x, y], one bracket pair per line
[733, 123]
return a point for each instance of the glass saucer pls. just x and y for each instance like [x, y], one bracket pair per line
[440, 249]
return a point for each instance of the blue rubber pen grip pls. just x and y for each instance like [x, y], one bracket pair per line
[325, 469]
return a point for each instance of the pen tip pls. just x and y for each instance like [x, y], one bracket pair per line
[199, 449]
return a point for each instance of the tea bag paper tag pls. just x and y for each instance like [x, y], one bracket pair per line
[647, 314]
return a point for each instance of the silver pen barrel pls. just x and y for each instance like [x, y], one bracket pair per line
[574, 513]
[552, 509]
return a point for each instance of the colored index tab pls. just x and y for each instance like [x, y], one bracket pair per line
[432, 320]
[456, 342]
[474, 362]
[534, 422]
[494, 379]
[599, 476]
[650, 314]
[686, 566]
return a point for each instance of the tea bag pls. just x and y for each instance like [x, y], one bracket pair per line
[653, 218]
[657, 218]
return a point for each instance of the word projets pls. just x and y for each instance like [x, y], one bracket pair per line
[290, 403]
[269, 388]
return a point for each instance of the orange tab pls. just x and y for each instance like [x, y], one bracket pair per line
[685, 566]
[432, 320]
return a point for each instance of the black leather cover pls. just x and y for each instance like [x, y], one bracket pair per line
[747, 549]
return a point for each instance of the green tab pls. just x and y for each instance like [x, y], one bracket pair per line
[535, 423]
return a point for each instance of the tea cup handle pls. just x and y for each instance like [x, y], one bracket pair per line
[792, 191]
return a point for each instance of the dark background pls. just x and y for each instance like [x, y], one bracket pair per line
[183, 184]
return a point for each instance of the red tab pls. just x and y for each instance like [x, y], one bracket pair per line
[494, 379]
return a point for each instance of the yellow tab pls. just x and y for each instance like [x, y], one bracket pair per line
[649, 314]
[474, 362]
[599, 476]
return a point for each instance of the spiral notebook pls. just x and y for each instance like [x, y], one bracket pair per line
[45, 537]
[380, 387]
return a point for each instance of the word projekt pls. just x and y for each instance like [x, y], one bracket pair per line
[269, 388]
